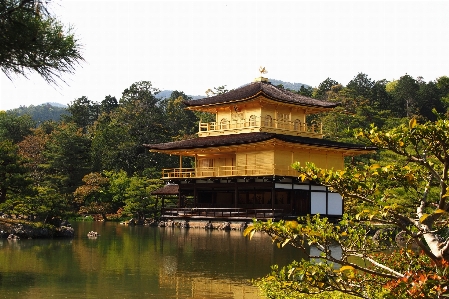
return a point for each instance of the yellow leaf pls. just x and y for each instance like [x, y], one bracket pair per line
[410, 177]
[440, 211]
[351, 268]
[291, 224]
[285, 242]
[344, 234]
[248, 230]
[412, 123]
[423, 218]
[374, 166]
[251, 234]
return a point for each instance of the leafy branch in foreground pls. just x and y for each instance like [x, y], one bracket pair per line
[31, 39]
[392, 241]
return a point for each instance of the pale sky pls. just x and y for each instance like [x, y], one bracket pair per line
[191, 46]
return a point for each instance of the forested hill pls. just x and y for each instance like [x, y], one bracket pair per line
[43, 112]
[288, 85]
[55, 111]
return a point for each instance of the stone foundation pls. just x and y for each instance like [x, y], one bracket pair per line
[219, 225]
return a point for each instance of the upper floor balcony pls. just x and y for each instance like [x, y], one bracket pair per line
[259, 124]
[228, 171]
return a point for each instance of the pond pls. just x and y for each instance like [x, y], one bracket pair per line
[139, 262]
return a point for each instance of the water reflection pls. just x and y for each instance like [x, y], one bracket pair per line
[138, 262]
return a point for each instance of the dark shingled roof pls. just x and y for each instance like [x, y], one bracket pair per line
[252, 90]
[169, 189]
[247, 138]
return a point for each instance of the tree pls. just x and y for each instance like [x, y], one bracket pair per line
[32, 148]
[138, 198]
[182, 123]
[305, 91]
[13, 175]
[67, 158]
[94, 196]
[118, 138]
[43, 204]
[108, 105]
[387, 205]
[31, 39]
[14, 127]
[405, 96]
[361, 86]
[323, 88]
[217, 90]
[429, 101]
[83, 112]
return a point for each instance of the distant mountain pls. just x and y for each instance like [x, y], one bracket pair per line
[43, 112]
[288, 85]
[54, 104]
[167, 93]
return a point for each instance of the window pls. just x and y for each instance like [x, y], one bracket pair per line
[252, 121]
[206, 163]
[297, 125]
[224, 123]
[268, 121]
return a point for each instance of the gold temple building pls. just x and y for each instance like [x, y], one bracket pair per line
[242, 160]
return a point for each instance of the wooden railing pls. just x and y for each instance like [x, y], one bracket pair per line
[227, 171]
[285, 126]
[222, 212]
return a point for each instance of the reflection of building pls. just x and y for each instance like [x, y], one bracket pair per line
[243, 159]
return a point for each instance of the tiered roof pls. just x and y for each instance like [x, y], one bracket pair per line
[251, 91]
[248, 138]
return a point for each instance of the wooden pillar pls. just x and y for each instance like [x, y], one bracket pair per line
[236, 194]
[195, 195]
[180, 200]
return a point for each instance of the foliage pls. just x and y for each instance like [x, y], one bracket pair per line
[14, 179]
[217, 90]
[67, 157]
[14, 127]
[94, 197]
[138, 198]
[31, 39]
[32, 149]
[405, 202]
[43, 205]
[106, 193]
[183, 123]
[41, 113]
[83, 112]
[118, 137]
[323, 88]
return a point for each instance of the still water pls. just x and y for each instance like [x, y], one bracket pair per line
[139, 262]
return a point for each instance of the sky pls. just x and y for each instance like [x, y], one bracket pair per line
[192, 46]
